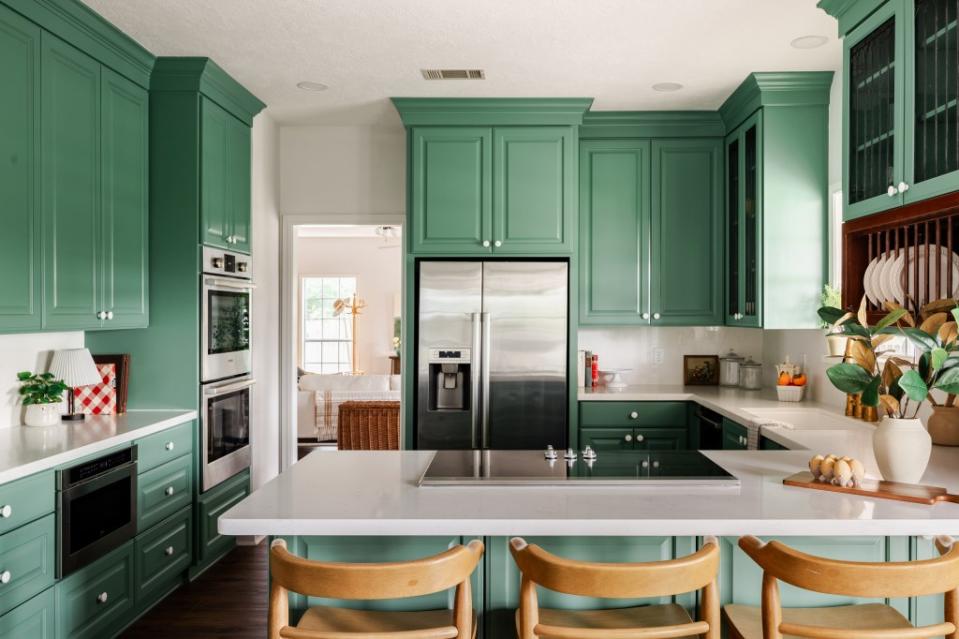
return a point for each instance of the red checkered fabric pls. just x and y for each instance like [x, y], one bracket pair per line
[99, 399]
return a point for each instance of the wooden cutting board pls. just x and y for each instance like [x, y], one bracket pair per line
[879, 489]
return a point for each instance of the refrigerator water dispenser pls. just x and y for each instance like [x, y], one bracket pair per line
[449, 379]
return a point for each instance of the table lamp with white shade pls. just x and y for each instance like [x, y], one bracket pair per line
[75, 366]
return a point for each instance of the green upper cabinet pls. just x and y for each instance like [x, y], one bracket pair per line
[776, 203]
[70, 150]
[533, 189]
[614, 195]
[19, 175]
[451, 190]
[124, 218]
[899, 102]
[686, 233]
[225, 171]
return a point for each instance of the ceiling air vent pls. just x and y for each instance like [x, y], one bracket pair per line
[454, 74]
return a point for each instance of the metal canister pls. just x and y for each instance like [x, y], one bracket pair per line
[729, 365]
[751, 375]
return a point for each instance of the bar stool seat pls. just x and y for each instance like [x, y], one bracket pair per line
[326, 619]
[746, 622]
[560, 623]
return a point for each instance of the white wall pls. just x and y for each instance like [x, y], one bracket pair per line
[266, 301]
[26, 352]
[342, 170]
[378, 274]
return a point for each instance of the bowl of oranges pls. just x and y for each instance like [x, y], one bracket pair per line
[790, 382]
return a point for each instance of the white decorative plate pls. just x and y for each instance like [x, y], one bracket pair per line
[867, 281]
[888, 276]
[908, 275]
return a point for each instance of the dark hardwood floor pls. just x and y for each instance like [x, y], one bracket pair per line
[228, 601]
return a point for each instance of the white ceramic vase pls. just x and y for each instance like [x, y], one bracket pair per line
[902, 448]
[837, 344]
[42, 414]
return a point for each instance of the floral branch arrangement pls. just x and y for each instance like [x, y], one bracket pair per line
[893, 391]
[41, 388]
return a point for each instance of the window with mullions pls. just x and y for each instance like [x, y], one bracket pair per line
[327, 340]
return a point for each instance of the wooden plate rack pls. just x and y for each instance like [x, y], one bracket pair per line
[918, 229]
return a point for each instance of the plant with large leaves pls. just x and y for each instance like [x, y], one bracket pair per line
[895, 391]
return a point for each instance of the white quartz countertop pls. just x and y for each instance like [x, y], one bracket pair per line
[25, 450]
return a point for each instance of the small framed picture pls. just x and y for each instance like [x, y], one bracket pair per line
[700, 370]
[121, 363]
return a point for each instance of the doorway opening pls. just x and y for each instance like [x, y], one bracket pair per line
[346, 306]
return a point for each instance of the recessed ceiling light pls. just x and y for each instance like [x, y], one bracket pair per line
[312, 86]
[666, 87]
[809, 42]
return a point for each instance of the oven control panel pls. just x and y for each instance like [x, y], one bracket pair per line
[219, 262]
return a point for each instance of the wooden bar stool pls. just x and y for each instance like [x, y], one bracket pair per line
[847, 578]
[394, 580]
[617, 581]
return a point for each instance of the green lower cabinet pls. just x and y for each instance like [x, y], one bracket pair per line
[162, 554]
[97, 600]
[210, 505]
[632, 414]
[735, 436]
[35, 619]
[767, 444]
[163, 491]
[601, 439]
[660, 439]
[27, 559]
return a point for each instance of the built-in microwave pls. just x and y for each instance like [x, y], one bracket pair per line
[226, 296]
[225, 420]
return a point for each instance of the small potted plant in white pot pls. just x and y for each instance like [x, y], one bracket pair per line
[41, 393]
[836, 340]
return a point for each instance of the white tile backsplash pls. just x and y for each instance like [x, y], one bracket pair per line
[636, 348]
[26, 352]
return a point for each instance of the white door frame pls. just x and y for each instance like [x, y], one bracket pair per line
[288, 315]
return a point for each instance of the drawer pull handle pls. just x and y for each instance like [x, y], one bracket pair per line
[639, 438]
[168, 491]
[169, 551]
[169, 446]
[634, 415]
[629, 438]
[6, 511]
[655, 464]
[102, 597]
[5, 577]
[645, 464]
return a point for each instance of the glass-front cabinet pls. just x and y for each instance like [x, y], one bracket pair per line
[901, 115]
[743, 223]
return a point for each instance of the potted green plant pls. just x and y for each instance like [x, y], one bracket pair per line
[835, 339]
[41, 394]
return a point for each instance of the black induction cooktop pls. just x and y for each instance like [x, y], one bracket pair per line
[532, 467]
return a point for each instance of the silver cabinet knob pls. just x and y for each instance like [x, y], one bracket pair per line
[486, 243]
[629, 438]
[102, 597]
[497, 244]
[655, 464]
[634, 415]
[101, 315]
[645, 316]
[169, 446]
[5, 577]
[168, 491]
[645, 464]
[169, 551]
[6, 511]
[903, 187]
[656, 316]
[109, 315]
[639, 438]
[891, 191]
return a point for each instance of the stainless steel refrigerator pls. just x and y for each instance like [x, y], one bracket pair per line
[492, 354]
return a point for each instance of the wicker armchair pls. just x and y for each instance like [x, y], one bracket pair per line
[369, 426]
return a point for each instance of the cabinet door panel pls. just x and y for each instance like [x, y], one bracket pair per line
[125, 208]
[686, 236]
[19, 172]
[607, 438]
[614, 209]
[215, 170]
[660, 439]
[451, 190]
[70, 186]
[733, 249]
[532, 189]
[239, 185]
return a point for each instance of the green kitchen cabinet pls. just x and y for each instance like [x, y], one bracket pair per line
[735, 436]
[209, 506]
[35, 619]
[686, 251]
[225, 171]
[614, 218]
[20, 56]
[70, 134]
[654, 439]
[601, 439]
[27, 559]
[97, 600]
[533, 189]
[776, 203]
[451, 190]
[767, 444]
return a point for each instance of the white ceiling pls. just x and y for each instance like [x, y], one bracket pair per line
[369, 50]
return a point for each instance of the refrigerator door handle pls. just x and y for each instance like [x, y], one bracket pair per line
[475, 384]
[484, 372]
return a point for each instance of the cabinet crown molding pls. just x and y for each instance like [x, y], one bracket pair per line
[491, 111]
[849, 13]
[203, 75]
[651, 124]
[778, 89]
